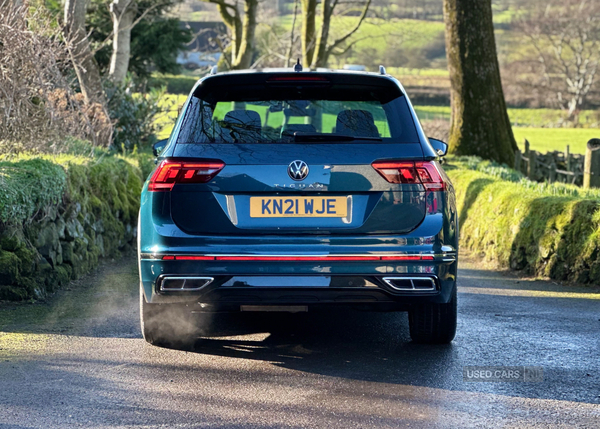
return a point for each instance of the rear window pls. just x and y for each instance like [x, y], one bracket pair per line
[284, 114]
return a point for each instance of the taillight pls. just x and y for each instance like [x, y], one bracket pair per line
[420, 172]
[170, 172]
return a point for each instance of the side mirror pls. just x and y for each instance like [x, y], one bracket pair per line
[441, 148]
[159, 146]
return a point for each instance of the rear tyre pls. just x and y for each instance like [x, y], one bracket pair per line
[433, 323]
[166, 325]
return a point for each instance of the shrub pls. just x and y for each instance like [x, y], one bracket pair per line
[29, 187]
[39, 106]
[175, 84]
[134, 116]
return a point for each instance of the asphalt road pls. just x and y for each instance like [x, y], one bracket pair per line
[79, 361]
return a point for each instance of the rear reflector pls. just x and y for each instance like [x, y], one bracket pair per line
[299, 258]
[421, 172]
[168, 173]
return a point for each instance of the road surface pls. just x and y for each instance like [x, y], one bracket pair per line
[79, 361]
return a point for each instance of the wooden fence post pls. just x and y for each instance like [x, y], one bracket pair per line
[526, 147]
[532, 165]
[552, 173]
[568, 158]
[591, 168]
[518, 160]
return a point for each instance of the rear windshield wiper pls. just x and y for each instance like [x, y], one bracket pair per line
[317, 137]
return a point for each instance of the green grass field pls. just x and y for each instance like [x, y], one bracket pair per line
[550, 139]
[538, 118]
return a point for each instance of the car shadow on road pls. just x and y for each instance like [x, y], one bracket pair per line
[342, 343]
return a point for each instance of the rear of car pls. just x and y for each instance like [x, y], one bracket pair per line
[290, 191]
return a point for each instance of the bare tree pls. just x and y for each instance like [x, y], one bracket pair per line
[123, 13]
[243, 30]
[479, 123]
[82, 58]
[316, 48]
[38, 108]
[565, 37]
[292, 36]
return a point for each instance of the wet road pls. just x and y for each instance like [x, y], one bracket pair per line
[79, 361]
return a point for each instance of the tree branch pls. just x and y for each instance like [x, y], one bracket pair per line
[342, 39]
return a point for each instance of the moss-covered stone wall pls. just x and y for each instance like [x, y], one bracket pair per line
[547, 230]
[59, 216]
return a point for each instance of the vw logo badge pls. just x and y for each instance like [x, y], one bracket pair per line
[298, 170]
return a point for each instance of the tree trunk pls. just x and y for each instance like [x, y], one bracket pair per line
[320, 56]
[86, 69]
[246, 47]
[123, 14]
[309, 12]
[317, 49]
[231, 17]
[480, 124]
[292, 37]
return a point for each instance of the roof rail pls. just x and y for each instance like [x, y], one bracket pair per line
[214, 70]
[382, 70]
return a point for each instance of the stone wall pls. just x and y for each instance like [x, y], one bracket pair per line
[65, 239]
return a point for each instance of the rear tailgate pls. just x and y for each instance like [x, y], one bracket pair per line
[255, 195]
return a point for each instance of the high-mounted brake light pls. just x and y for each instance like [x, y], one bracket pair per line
[298, 78]
[420, 172]
[170, 172]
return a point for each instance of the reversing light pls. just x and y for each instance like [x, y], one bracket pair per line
[170, 172]
[420, 172]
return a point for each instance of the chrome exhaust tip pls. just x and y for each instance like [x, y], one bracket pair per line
[185, 284]
[411, 284]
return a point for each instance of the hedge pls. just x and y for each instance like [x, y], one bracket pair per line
[175, 84]
[60, 215]
[546, 230]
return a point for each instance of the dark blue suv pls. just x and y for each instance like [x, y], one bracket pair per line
[287, 191]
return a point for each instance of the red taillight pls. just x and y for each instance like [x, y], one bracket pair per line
[420, 172]
[170, 172]
[430, 176]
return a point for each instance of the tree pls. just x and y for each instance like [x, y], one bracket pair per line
[86, 69]
[479, 123]
[123, 14]
[565, 37]
[243, 30]
[316, 48]
[156, 40]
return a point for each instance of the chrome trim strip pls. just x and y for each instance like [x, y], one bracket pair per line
[231, 209]
[348, 218]
[183, 289]
[389, 280]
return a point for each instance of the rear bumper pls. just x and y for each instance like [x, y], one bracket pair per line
[383, 284]
[347, 261]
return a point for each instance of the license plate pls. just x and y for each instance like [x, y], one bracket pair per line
[298, 206]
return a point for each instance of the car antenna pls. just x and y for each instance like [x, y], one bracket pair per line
[298, 66]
